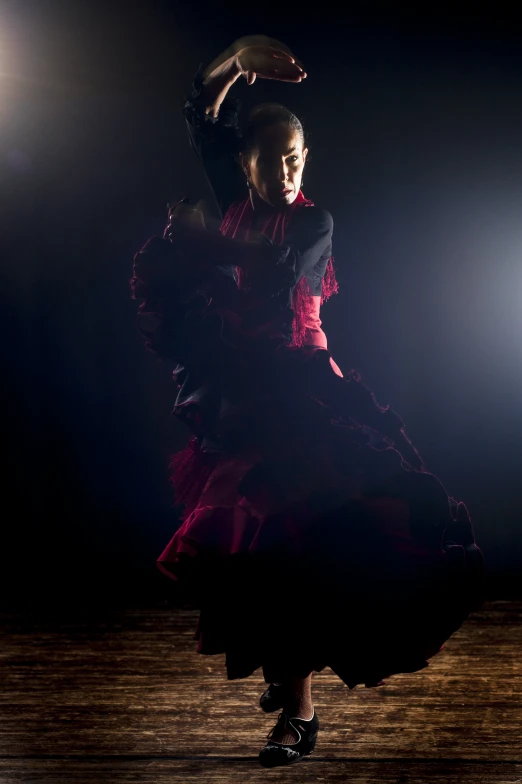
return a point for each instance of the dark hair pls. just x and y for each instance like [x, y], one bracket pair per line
[264, 115]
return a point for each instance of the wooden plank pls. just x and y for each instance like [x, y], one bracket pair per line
[227, 771]
[127, 693]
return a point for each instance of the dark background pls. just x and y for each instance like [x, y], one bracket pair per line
[415, 128]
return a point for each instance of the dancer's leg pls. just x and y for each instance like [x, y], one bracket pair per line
[298, 703]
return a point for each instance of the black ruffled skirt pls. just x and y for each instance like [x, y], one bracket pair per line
[310, 541]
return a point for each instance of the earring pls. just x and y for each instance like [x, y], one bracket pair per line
[248, 183]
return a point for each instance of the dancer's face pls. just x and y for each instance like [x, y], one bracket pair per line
[275, 165]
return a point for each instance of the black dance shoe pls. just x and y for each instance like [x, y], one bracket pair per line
[273, 698]
[275, 754]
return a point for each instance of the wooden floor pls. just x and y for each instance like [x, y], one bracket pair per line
[125, 698]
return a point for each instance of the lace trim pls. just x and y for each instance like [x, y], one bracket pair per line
[228, 111]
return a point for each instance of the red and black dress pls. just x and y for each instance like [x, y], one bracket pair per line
[312, 535]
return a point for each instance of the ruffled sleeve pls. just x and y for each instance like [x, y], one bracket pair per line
[216, 143]
[179, 302]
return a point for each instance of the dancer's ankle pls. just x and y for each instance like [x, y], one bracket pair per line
[299, 711]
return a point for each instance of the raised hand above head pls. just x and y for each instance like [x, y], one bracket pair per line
[250, 57]
[268, 62]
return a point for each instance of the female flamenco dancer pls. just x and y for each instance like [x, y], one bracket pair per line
[311, 533]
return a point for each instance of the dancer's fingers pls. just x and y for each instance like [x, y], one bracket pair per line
[280, 76]
[269, 63]
[282, 55]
